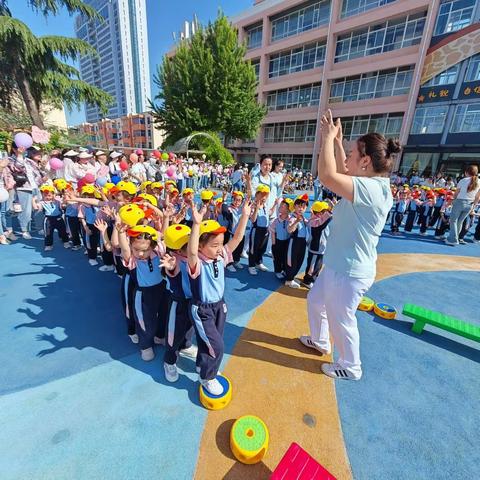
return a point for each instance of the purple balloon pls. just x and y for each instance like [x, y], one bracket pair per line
[55, 163]
[23, 140]
[101, 181]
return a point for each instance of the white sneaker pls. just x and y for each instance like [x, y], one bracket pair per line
[292, 284]
[462, 241]
[308, 342]
[171, 372]
[158, 341]
[451, 243]
[423, 234]
[93, 263]
[106, 268]
[134, 338]
[244, 255]
[238, 266]
[231, 269]
[334, 370]
[26, 236]
[12, 236]
[66, 245]
[49, 248]
[262, 267]
[148, 354]
[269, 253]
[76, 247]
[252, 271]
[212, 386]
[308, 285]
[190, 352]
[41, 232]
[279, 276]
[476, 241]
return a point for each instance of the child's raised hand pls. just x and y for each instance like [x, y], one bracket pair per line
[169, 262]
[247, 208]
[101, 225]
[197, 216]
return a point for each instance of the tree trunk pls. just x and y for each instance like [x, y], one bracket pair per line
[28, 99]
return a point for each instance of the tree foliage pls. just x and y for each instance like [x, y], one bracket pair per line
[36, 65]
[208, 86]
[214, 149]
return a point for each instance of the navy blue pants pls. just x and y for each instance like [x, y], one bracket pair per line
[397, 219]
[91, 241]
[279, 253]
[410, 220]
[209, 322]
[295, 255]
[50, 225]
[236, 254]
[150, 313]
[179, 330]
[314, 265]
[74, 228]
[127, 294]
[257, 245]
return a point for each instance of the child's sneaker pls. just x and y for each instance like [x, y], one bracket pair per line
[106, 268]
[66, 245]
[231, 269]
[308, 285]
[252, 271]
[308, 342]
[279, 275]
[41, 232]
[262, 267]
[76, 247]
[334, 370]
[244, 255]
[26, 236]
[148, 354]
[48, 248]
[190, 352]
[134, 338]
[171, 372]
[93, 263]
[238, 266]
[212, 386]
[462, 241]
[12, 236]
[292, 284]
[158, 341]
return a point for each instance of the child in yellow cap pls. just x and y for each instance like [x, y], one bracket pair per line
[258, 239]
[207, 259]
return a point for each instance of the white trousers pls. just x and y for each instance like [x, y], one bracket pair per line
[332, 303]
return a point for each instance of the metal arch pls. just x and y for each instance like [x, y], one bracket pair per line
[183, 143]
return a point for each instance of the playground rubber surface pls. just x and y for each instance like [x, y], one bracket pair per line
[77, 401]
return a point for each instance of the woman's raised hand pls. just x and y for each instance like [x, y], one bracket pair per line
[329, 127]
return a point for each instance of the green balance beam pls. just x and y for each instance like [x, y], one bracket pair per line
[423, 316]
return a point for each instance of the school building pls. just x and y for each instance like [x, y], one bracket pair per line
[406, 68]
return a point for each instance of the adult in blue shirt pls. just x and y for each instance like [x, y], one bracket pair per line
[362, 180]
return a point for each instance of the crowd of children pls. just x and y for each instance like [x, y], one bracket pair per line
[171, 252]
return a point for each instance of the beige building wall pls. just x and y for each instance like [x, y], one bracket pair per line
[54, 117]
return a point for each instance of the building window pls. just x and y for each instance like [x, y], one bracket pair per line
[392, 35]
[302, 131]
[301, 19]
[256, 66]
[294, 97]
[473, 70]
[388, 124]
[291, 161]
[447, 77]
[467, 119]
[454, 15]
[428, 120]
[384, 83]
[355, 7]
[298, 59]
[254, 36]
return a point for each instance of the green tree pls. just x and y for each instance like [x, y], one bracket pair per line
[36, 66]
[207, 85]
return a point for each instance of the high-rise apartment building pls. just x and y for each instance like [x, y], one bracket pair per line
[122, 66]
[364, 59]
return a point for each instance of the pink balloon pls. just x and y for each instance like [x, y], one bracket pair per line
[170, 171]
[89, 178]
[55, 163]
[139, 151]
[23, 140]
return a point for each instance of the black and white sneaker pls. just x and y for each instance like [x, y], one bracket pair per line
[334, 370]
[308, 342]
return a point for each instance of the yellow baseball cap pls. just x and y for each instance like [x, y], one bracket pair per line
[289, 202]
[60, 184]
[219, 200]
[302, 198]
[89, 189]
[128, 187]
[238, 194]
[206, 195]
[149, 198]
[176, 236]
[131, 214]
[320, 206]
[171, 182]
[263, 189]
[146, 184]
[158, 185]
[108, 186]
[211, 226]
[138, 230]
[47, 188]
[187, 191]
[174, 191]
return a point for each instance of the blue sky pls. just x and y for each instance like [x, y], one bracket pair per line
[164, 17]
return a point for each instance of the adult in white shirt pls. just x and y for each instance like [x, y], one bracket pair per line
[137, 170]
[362, 180]
[114, 166]
[465, 199]
[101, 164]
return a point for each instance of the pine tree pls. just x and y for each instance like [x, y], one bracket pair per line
[208, 86]
[34, 67]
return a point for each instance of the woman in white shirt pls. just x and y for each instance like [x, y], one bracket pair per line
[362, 180]
[465, 199]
